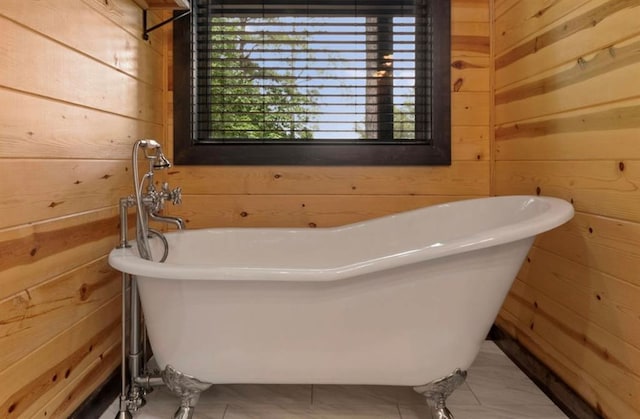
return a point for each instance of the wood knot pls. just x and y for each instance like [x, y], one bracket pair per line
[84, 292]
[582, 63]
[621, 166]
[244, 214]
[458, 85]
[313, 225]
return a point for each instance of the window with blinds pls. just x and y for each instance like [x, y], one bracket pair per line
[313, 82]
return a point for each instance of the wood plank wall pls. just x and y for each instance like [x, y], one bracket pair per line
[77, 87]
[328, 196]
[567, 114]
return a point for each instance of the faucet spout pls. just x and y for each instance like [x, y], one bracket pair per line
[177, 221]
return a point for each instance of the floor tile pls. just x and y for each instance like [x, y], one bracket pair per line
[486, 412]
[355, 395]
[253, 393]
[494, 386]
[312, 412]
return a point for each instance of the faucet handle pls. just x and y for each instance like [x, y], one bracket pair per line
[175, 196]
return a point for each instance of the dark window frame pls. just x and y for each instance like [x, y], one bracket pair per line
[187, 150]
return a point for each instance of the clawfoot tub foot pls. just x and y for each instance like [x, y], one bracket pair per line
[437, 392]
[187, 387]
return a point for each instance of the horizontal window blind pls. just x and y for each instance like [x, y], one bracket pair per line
[312, 70]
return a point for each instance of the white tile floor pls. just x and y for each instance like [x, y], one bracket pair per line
[495, 389]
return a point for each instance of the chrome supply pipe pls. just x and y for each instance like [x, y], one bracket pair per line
[125, 204]
[148, 381]
[123, 411]
[134, 338]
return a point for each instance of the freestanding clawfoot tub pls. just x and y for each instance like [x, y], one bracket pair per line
[405, 299]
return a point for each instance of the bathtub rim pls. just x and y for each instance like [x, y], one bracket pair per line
[558, 212]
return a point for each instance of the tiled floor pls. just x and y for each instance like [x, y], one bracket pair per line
[495, 389]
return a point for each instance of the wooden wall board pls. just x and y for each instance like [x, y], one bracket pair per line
[470, 108]
[589, 66]
[595, 362]
[590, 28]
[603, 244]
[127, 15]
[560, 364]
[461, 178]
[470, 143]
[201, 211]
[616, 353]
[470, 45]
[61, 73]
[602, 187]
[69, 187]
[525, 17]
[469, 11]
[62, 130]
[32, 381]
[66, 401]
[35, 315]
[584, 134]
[604, 300]
[33, 253]
[470, 74]
[500, 7]
[127, 52]
[545, 348]
[473, 29]
[596, 80]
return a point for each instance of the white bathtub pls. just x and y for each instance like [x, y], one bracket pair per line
[402, 300]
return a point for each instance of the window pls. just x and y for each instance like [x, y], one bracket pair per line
[313, 82]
